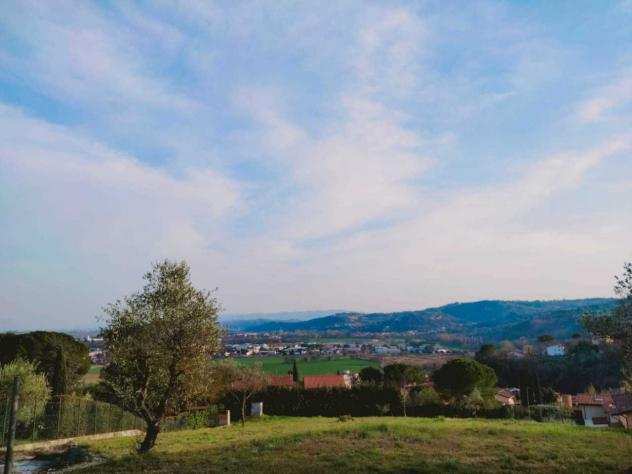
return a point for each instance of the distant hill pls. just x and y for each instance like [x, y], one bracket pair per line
[245, 321]
[490, 320]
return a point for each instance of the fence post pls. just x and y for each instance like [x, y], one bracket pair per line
[60, 401]
[34, 422]
[5, 419]
[13, 418]
[77, 415]
[95, 406]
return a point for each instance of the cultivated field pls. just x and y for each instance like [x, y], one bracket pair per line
[275, 365]
[297, 445]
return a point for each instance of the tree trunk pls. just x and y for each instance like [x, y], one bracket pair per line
[153, 428]
[243, 411]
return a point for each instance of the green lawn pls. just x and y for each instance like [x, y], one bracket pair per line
[297, 445]
[275, 365]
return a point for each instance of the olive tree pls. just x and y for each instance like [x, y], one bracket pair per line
[158, 342]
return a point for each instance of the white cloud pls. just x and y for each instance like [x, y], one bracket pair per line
[338, 191]
[81, 56]
[101, 211]
[606, 100]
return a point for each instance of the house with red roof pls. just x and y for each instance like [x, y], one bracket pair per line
[507, 397]
[595, 409]
[327, 381]
[281, 381]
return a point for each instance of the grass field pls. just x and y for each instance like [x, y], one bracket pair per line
[276, 366]
[93, 375]
[279, 445]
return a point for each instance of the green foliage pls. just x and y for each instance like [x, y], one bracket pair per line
[617, 324]
[158, 341]
[371, 375]
[60, 379]
[540, 376]
[425, 396]
[240, 382]
[296, 377]
[34, 391]
[42, 348]
[400, 375]
[460, 377]
[361, 400]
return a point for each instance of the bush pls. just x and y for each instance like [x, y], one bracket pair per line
[362, 400]
[34, 390]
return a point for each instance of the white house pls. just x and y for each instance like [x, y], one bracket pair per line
[555, 350]
[595, 409]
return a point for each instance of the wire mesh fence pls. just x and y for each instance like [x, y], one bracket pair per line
[194, 418]
[66, 417]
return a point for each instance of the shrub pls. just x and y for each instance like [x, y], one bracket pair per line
[34, 390]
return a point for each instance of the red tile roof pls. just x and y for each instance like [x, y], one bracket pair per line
[281, 381]
[601, 399]
[504, 393]
[324, 381]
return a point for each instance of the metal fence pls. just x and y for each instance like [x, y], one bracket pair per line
[194, 418]
[65, 417]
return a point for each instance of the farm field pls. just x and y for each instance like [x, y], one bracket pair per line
[276, 365]
[93, 375]
[280, 444]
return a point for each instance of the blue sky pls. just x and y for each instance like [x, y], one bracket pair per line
[304, 155]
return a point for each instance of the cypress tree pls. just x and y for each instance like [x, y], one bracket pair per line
[295, 374]
[60, 385]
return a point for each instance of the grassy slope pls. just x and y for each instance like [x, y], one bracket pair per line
[93, 375]
[275, 365]
[280, 445]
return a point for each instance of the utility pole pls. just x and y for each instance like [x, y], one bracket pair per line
[13, 415]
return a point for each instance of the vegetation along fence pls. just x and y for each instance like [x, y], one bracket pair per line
[201, 417]
[66, 417]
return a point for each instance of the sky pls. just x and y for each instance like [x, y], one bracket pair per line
[365, 155]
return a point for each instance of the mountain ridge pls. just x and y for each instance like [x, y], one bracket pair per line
[489, 319]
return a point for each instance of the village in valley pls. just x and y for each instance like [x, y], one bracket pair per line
[339, 365]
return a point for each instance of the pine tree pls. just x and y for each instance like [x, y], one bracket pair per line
[295, 374]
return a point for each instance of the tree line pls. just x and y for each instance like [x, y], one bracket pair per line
[160, 339]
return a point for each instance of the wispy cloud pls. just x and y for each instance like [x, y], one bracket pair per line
[607, 100]
[370, 156]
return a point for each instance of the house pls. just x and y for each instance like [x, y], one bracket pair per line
[507, 397]
[595, 409]
[327, 381]
[97, 357]
[281, 381]
[623, 409]
[555, 350]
